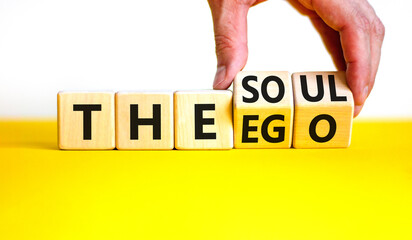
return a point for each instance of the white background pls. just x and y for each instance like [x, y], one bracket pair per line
[52, 45]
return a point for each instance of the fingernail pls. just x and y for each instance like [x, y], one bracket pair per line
[358, 108]
[220, 76]
[365, 93]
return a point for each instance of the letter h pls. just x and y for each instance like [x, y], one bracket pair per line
[135, 122]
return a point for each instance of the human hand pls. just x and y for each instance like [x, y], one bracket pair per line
[350, 29]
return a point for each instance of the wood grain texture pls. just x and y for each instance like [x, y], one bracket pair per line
[146, 103]
[339, 107]
[184, 104]
[272, 112]
[71, 122]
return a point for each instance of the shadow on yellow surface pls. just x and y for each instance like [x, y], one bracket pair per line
[363, 192]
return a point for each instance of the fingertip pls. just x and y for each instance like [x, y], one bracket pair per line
[365, 93]
[230, 62]
[222, 85]
[230, 26]
[223, 78]
[358, 80]
[219, 77]
[357, 110]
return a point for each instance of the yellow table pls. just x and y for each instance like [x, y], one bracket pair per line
[364, 192]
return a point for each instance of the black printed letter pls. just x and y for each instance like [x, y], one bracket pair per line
[246, 129]
[87, 117]
[281, 86]
[332, 128]
[200, 121]
[135, 121]
[332, 88]
[305, 92]
[279, 130]
[250, 89]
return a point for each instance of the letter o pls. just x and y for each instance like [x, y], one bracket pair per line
[314, 123]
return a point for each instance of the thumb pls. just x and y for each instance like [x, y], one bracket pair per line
[230, 27]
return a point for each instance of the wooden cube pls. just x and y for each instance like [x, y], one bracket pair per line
[144, 120]
[323, 110]
[203, 119]
[262, 110]
[86, 120]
